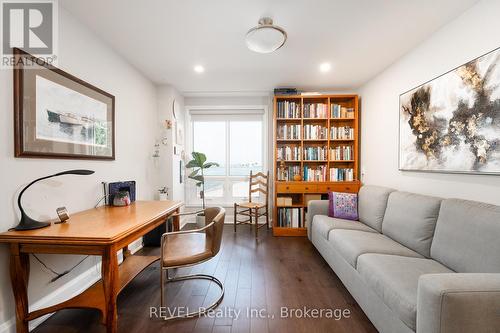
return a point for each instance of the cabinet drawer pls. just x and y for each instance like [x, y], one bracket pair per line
[351, 188]
[296, 188]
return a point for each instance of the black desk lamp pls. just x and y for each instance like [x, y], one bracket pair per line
[27, 223]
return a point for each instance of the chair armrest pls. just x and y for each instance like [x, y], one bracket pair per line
[315, 207]
[458, 302]
[187, 231]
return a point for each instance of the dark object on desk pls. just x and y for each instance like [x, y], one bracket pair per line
[153, 238]
[116, 187]
[62, 212]
[27, 223]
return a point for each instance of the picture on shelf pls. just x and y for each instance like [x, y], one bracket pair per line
[452, 123]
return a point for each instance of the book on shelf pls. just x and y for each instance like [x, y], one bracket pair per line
[315, 173]
[315, 153]
[289, 153]
[315, 132]
[341, 174]
[287, 173]
[315, 110]
[341, 153]
[290, 218]
[339, 111]
[342, 133]
[288, 110]
[288, 132]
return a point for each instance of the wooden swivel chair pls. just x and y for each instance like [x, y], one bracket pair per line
[192, 247]
[253, 210]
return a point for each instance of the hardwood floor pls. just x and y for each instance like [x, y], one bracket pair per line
[263, 275]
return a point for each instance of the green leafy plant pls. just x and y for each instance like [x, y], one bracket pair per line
[199, 164]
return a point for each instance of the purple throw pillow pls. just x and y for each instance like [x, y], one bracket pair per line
[343, 205]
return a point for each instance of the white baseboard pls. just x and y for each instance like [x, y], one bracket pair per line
[74, 287]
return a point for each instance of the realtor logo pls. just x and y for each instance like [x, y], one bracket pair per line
[30, 26]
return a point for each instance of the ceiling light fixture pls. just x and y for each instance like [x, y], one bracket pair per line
[266, 37]
[325, 67]
[199, 69]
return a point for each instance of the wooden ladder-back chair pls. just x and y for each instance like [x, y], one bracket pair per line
[259, 183]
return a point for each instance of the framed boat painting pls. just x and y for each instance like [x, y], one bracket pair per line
[57, 115]
[451, 124]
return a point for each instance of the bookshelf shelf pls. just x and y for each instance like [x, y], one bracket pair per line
[291, 206]
[301, 180]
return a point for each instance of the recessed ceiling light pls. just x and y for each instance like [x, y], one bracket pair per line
[325, 67]
[199, 69]
[265, 37]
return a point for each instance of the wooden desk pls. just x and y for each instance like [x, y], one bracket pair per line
[102, 231]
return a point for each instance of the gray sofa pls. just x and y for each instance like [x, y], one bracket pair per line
[415, 263]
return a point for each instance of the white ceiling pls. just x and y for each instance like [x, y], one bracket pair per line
[164, 39]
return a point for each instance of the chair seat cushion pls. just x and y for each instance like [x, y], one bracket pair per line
[251, 204]
[395, 280]
[185, 249]
[325, 224]
[353, 243]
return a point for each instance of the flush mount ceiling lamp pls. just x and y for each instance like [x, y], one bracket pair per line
[266, 37]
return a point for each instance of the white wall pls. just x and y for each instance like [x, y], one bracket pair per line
[470, 35]
[169, 171]
[82, 54]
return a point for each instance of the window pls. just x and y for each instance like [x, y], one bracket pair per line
[209, 137]
[237, 143]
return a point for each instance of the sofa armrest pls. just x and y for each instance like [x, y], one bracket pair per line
[315, 207]
[458, 302]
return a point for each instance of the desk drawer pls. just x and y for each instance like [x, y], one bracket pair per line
[297, 188]
[332, 187]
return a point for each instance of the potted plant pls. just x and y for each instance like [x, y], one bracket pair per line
[199, 164]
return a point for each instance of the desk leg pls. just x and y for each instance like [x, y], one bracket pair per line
[19, 275]
[176, 221]
[110, 283]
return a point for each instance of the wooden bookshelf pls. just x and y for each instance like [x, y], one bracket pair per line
[324, 152]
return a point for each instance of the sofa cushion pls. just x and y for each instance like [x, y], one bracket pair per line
[410, 219]
[395, 280]
[353, 243]
[324, 224]
[372, 201]
[467, 236]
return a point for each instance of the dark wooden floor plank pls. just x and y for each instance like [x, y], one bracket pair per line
[260, 277]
